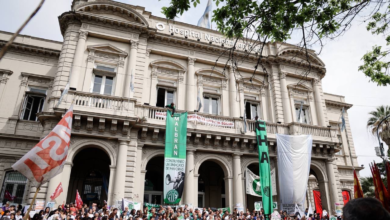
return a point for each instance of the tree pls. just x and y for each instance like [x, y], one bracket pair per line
[367, 186]
[312, 20]
[376, 117]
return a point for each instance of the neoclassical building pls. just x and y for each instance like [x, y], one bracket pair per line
[124, 65]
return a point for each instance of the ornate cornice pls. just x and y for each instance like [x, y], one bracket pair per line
[337, 104]
[5, 75]
[32, 49]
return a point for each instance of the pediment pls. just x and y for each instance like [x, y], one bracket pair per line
[300, 87]
[211, 72]
[111, 10]
[108, 48]
[168, 64]
[299, 55]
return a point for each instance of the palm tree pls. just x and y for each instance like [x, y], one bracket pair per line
[377, 116]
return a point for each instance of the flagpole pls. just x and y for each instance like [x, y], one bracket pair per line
[32, 202]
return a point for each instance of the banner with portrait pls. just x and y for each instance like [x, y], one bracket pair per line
[175, 157]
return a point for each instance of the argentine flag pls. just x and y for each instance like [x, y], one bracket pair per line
[204, 21]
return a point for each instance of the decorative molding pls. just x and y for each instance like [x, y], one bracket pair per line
[282, 75]
[83, 35]
[148, 51]
[191, 61]
[134, 44]
[6, 74]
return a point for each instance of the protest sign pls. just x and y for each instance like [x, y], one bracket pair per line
[50, 205]
[130, 204]
[39, 205]
[259, 205]
[338, 209]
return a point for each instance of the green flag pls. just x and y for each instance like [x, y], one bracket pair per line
[175, 156]
[265, 171]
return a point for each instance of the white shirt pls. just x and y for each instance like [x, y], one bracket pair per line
[18, 217]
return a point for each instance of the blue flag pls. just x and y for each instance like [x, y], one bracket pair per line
[342, 120]
[204, 21]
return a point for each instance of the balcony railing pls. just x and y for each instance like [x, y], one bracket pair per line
[98, 103]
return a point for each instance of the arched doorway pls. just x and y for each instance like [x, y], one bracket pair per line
[317, 192]
[90, 176]
[250, 200]
[211, 185]
[154, 180]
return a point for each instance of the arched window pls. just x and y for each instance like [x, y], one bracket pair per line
[13, 187]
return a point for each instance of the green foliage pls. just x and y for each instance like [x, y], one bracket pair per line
[278, 20]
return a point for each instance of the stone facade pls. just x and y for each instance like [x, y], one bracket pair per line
[149, 53]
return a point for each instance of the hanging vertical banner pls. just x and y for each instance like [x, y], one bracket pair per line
[175, 156]
[265, 170]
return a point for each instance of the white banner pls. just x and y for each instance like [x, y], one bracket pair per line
[47, 158]
[130, 204]
[201, 119]
[294, 157]
[253, 185]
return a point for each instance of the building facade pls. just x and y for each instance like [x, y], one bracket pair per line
[126, 65]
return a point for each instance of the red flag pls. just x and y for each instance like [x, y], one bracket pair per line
[346, 197]
[388, 175]
[357, 188]
[57, 192]
[47, 158]
[384, 196]
[8, 196]
[79, 201]
[317, 201]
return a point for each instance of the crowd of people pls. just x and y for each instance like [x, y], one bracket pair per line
[358, 209]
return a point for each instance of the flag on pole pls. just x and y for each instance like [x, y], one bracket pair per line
[56, 192]
[132, 82]
[342, 120]
[382, 193]
[79, 201]
[357, 188]
[199, 101]
[244, 117]
[264, 163]
[204, 21]
[47, 159]
[300, 112]
[63, 94]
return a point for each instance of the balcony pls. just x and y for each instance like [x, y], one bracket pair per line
[217, 124]
[97, 104]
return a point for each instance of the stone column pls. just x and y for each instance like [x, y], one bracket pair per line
[65, 177]
[318, 101]
[285, 98]
[332, 182]
[242, 99]
[130, 70]
[120, 173]
[146, 85]
[190, 94]
[312, 109]
[234, 110]
[3, 81]
[229, 192]
[200, 90]
[225, 98]
[153, 87]
[237, 180]
[264, 105]
[86, 86]
[181, 89]
[189, 193]
[120, 76]
[196, 177]
[76, 73]
[111, 184]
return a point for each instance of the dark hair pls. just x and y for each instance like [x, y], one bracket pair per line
[365, 208]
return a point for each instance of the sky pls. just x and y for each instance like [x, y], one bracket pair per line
[341, 57]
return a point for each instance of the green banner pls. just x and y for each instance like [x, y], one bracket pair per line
[265, 170]
[175, 156]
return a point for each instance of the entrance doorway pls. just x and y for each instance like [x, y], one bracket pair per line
[154, 180]
[211, 185]
[90, 176]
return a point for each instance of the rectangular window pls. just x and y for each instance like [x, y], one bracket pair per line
[165, 97]
[251, 110]
[103, 85]
[33, 104]
[211, 105]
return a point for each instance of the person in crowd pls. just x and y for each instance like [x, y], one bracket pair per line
[18, 215]
[113, 214]
[365, 208]
[6, 215]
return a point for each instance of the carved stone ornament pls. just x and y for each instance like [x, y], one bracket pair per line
[121, 62]
[107, 56]
[91, 58]
[181, 76]
[148, 52]
[316, 81]
[83, 35]
[200, 80]
[154, 72]
[282, 75]
[224, 84]
[24, 81]
[134, 44]
[191, 61]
